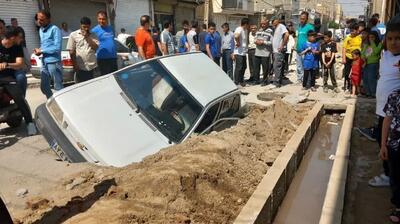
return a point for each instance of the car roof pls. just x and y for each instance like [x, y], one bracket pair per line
[204, 79]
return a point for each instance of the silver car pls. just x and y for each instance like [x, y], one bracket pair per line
[125, 116]
[125, 57]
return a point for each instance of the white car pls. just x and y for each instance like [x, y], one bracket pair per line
[125, 116]
[125, 57]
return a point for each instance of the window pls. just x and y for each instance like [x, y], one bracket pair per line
[120, 47]
[208, 119]
[160, 98]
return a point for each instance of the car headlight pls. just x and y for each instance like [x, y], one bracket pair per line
[56, 111]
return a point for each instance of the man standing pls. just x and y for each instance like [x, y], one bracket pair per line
[65, 32]
[82, 46]
[251, 51]
[123, 36]
[240, 51]
[211, 41]
[193, 38]
[167, 41]
[227, 45]
[180, 33]
[263, 53]
[143, 39]
[202, 39]
[14, 23]
[279, 42]
[106, 52]
[50, 48]
[12, 59]
[302, 32]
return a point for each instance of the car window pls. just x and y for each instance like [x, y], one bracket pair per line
[121, 48]
[230, 106]
[160, 98]
[208, 118]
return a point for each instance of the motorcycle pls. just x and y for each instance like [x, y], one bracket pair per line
[9, 111]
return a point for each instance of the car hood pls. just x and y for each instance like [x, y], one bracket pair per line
[100, 118]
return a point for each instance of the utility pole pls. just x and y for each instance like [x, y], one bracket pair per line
[206, 9]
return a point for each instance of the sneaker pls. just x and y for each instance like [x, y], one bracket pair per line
[31, 128]
[379, 181]
[313, 89]
[336, 90]
[325, 89]
[367, 132]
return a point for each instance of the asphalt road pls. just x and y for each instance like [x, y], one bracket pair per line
[26, 162]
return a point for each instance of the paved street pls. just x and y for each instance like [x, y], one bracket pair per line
[27, 162]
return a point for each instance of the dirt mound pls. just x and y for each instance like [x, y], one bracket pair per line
[207, 179]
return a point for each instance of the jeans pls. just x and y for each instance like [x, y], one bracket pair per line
[299, 67]
[309, 74]
[16, 94]
[51, 71]
[82, 76]
[394, 174]
[370, 78]
[240, 68]
[217, 60]
[22, 82]
[251, 53]
[329, 72]
[264, 61]
[346, 73]
[107, 66]
[278, 66]
[227, 62]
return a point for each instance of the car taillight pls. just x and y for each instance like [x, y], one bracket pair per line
[67, 62]
[33, 62]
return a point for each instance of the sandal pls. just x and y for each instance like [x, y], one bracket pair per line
[395, 216]
[379, 181]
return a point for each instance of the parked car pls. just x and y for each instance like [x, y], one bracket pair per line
[125, 57]
[125, 116]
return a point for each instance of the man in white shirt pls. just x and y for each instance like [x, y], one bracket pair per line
[251, 51]
[240, 51]
[279, 42]
[192, 37]
[123, 36]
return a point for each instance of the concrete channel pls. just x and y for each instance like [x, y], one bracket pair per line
[306, 183]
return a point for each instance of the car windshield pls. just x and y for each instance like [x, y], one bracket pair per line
[160, 98]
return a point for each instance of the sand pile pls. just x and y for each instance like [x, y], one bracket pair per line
[207, 179]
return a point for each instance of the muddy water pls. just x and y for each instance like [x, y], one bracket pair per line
[304, 200]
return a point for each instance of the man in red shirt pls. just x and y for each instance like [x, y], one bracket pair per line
[143, 39]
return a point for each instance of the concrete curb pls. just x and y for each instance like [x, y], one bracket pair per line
[264, 203]
[332, 209]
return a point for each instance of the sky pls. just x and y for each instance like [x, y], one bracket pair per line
[353, 7]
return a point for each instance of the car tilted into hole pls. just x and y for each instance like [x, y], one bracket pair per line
[127, 115]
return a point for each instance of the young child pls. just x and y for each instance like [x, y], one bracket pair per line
[355, 75]
[329, 50]
[350, 43]
[371, 54]
[310, 51]
[388, 110]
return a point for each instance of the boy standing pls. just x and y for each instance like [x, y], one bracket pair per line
[389, 114]
[350, 43]
[329, 50]
[310, 51]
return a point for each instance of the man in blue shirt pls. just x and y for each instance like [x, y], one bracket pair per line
[106, 52]
[50, 48]
[213, 43]
[302, 32]
[227, 45]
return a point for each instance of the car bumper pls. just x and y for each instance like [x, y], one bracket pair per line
[68, 73]
[57, 140]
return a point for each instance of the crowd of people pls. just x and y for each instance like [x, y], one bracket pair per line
[370, 57]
